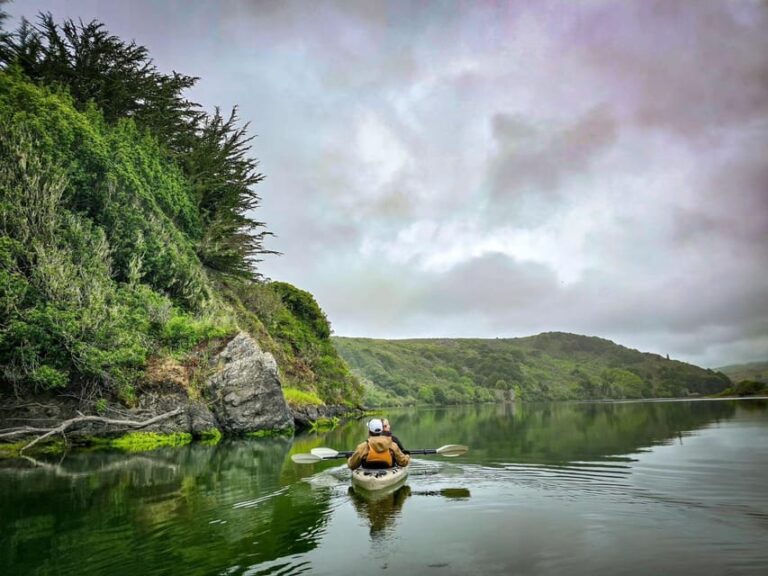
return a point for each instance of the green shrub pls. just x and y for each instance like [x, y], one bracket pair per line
[183, 332]
[297, 398]
[44, 377]
[100, 406]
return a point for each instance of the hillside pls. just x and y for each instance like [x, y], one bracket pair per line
[550, 366]
[755, 371]
[127, 238]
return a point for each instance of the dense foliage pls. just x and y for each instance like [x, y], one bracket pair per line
[101, 71]
[551, 366]
[126, 229]
[97, 269]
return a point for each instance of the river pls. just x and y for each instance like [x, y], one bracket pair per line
[671, 487]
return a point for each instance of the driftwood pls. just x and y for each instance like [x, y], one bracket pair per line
[61, 428]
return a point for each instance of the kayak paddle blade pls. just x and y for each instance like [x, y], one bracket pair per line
[452, 450]
[305, 458]
[325, 452]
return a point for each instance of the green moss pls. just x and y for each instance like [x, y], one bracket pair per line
[211, 437]
[56, 446]
[144, 441]
[270, 433]
[49, 446]
[298, 398]
[11, 450]
[324, 424]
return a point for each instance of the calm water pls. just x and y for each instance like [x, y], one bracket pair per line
[630, 488]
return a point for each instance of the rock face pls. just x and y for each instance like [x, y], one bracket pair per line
[195, 419]
[304, 416]
[245, 393]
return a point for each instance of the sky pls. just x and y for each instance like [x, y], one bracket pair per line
[497, 169]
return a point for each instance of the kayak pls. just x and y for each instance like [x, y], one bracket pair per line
[378, 479]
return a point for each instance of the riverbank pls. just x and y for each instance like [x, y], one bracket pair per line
[241, 396]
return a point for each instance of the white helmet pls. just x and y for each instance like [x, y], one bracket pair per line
[375, 426]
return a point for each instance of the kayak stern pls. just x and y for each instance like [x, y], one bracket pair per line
[373, 480]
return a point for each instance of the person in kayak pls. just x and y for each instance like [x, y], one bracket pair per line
[395, 439]
[379, 451]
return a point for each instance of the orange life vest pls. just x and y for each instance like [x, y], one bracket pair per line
[379, 458]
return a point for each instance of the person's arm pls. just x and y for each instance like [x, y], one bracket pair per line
[401, 458]
[356, 460]
[396, 440]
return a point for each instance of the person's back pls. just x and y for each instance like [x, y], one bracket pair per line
[378, 451]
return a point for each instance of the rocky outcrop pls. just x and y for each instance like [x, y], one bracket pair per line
[305, 416]
[195, 418]
[244, 392]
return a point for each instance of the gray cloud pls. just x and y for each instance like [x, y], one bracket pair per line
[533, 158]
[691, 67]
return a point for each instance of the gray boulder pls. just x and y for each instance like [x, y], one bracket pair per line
[244, 392]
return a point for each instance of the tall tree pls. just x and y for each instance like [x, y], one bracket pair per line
[223, 176]
[95, 66]
[121, 79]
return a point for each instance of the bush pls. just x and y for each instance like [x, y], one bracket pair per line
[183, 332]
[297, 398]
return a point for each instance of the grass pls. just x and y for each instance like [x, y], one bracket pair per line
[145, 441]
[298, 398]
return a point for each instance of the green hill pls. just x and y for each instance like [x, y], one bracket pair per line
[755, 371]
[127, 240]
[550, 366]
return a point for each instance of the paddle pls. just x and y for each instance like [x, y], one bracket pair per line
[318, 454]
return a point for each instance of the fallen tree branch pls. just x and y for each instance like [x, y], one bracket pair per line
[7, 432]
[61, 428]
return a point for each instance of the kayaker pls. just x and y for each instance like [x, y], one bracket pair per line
[395, 439]
[379, 451]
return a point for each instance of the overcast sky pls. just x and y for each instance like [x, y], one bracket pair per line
[483, 169]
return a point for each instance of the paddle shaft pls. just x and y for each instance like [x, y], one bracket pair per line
[349, 453]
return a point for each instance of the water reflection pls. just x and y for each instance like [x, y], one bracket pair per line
[379, 509]
[204, 507]
[449, 493]
[382, 509]
[244, 507]
[552, 433]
